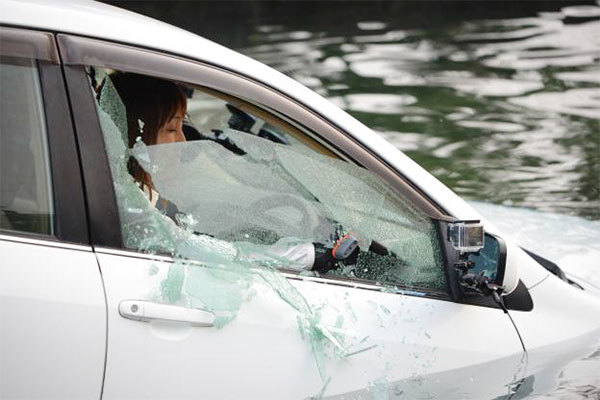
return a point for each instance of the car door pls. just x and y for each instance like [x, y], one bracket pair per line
[52, 306]
[202, 306]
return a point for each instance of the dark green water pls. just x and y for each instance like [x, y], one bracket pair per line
[500, 101]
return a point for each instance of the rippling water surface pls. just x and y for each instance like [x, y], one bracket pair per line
[503, 110]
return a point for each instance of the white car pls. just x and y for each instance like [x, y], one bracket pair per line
[103, 296]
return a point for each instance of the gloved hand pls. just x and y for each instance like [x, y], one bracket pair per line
[345, 249]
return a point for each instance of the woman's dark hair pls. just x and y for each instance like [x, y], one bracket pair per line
[149, 103]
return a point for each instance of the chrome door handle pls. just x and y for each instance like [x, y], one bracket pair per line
[146, 311]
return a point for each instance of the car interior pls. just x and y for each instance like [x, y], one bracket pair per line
[25, 195]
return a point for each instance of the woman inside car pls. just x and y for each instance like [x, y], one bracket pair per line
[156, 110]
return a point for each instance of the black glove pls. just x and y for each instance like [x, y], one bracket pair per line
[345, 249]
[324, 260]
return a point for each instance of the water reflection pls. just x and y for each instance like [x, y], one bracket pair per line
[501, 110]
[375, 103]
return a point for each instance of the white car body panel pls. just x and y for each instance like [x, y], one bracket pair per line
[554, 301]
[530, 272]
[52, 322]
[564, 328]
[263, 352]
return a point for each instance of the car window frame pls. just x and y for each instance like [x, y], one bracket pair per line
[70, 222]
[77, 52]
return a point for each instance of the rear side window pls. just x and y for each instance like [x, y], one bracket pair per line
[25, 183]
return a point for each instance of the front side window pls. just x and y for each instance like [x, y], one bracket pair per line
[25, 183]
[204, 175]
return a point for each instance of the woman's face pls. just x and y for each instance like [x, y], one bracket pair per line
[172, 131]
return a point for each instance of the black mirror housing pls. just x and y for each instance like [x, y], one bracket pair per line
[471, 274]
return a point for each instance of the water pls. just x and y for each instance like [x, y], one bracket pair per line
[505, 111]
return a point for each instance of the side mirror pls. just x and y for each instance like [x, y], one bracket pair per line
[475, 260]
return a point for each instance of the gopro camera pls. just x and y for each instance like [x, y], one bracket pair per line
[466, 236]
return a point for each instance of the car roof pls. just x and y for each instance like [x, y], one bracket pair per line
[98, 20]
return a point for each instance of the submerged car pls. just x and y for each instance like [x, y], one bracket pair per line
[103, 295]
